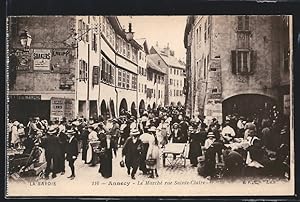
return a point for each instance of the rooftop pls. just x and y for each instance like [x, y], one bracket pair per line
[151, 64]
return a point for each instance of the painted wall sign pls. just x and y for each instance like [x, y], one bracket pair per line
[25, 97]
[41, 59]
[24, 59]
[69, 112]
[57, 108]
[60, 60]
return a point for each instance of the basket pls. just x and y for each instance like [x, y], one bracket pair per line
[150, 162]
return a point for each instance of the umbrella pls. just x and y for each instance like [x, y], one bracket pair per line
[147, 138]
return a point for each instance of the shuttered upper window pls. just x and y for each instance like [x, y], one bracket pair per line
[243, 61]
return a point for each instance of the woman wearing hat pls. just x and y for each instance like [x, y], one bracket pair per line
[52, 151]
[107, 147]
[163, 131]
[71, 151]
[93, 136]
[131, 153]
[14, 133]
[153, 154]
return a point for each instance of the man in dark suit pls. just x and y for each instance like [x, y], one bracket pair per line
[176, 135]
[72, 151]
[52, 152]
[131, 152]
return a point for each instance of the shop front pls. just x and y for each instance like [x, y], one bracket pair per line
[23, 107]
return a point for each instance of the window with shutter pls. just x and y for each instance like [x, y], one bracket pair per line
[87, 33]
[80, 27]
[233, 61]
[124, 79]
[95, 75]
[103, 69]
[243, 61]
[243, 23]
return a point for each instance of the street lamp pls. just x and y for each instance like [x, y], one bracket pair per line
[25, 39]
[129, 34]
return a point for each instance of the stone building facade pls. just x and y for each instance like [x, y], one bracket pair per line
[174, 74]
[234, 63]
[76, 66]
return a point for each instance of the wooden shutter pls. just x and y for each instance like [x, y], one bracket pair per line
[95, 75]
[252, 61]
[233, 61]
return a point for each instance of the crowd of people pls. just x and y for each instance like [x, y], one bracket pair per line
[239, 142]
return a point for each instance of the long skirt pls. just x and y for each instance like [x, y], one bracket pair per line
[195, 152]
[105, 167]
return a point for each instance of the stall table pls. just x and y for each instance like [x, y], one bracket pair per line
[178, 149]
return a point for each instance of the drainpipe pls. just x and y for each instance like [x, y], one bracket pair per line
[117, 93]
[100, 66]
[88, 81]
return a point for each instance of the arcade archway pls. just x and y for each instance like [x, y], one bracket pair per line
[103, 109]
[248, 105]
[142, 107]
[133, 109]
[123, 106]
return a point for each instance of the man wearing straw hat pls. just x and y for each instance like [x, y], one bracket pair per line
[52, 152]
[131, 152]
[72, 151]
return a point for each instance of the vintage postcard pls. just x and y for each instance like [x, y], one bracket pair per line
[112, 106]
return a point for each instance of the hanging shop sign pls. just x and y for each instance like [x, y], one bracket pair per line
[24, 97]
[41, 59]
[57, 108]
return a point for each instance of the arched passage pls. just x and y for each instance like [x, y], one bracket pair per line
[112, 108]
[248, 105]
[148, 107]
[133, 109]
[123, 106]
[142, 107]
[103, 108]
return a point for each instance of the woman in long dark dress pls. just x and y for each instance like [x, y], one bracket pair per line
[195, 147]
[107, 146]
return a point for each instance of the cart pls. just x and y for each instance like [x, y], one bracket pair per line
[22, 164]
[174, 154]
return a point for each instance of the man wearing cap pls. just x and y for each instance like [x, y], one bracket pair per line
[52, 151]
[131, 153]
[72, 151]
[210, 140]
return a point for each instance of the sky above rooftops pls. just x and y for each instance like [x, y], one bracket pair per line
[161, 29]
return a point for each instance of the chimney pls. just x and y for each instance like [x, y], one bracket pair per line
[156, 43]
